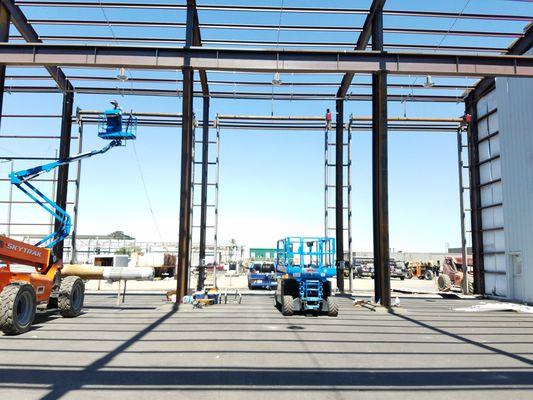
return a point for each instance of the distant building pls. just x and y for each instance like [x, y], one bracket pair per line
[458, 250]
[262, 253]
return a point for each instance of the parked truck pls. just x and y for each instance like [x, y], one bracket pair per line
[421, 270]
[262, 275]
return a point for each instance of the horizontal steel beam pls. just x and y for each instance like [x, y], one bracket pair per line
[362, 42]
[270, 9]
[320, 127]
[237, 94]
[263, 43]
[286, 84]
[266, 60]
[30, 35]
[83, 113]
[354, 119]
[271, 27]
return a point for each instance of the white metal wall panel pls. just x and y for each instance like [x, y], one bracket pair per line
[515, 116]
[492, 217]
[490, 171]
[491, 193]
[493, 241]
[486, 104]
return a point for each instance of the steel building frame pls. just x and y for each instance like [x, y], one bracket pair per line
[195, 54]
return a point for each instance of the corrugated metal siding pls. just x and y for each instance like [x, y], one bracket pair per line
[515, 116]
[491, 193]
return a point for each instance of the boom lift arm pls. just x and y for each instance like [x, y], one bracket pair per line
[22, 293]
[21, 179]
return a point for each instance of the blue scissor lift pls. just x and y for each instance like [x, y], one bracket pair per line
[305, 264]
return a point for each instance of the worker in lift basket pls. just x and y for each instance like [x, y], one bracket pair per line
[114, 121]
[328, 119]
[116, 106]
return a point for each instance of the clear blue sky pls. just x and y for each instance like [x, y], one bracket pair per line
[271, 182]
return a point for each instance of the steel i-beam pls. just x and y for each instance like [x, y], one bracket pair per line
[339, 200]
[64, 152]
[4, 37]
[187, 142]
[380, 172]
[203, 196]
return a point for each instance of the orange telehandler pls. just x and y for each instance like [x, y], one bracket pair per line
[21, 294]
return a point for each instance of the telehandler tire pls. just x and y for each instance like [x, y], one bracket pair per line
[333, 307]
[444, 283]
[17, 308]
[71, 296]
[287, 308]
[470, 283]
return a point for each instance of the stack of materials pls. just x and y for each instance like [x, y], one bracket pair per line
[163, 263]
[112, 274]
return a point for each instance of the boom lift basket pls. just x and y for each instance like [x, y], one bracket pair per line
[112, 126]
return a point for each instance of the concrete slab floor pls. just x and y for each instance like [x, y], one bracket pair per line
[145, 350]
[241, 282]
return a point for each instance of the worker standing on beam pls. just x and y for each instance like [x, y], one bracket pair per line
[328, 119]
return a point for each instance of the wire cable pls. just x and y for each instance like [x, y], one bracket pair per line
[277, 46]
[115, 38]
[147, 195]
[445, 35]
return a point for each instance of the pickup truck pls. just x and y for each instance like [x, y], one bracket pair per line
[262, 275]
[397, 270]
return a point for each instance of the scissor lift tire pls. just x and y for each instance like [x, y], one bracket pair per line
[333, 307]
[287, 308]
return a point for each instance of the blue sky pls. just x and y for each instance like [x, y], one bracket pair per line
[271, 182]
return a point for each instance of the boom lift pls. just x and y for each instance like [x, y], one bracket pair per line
[22, 293]
[305, 263]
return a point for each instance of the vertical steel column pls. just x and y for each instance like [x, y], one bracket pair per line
[460, 166]
[475, 197]
[217, 188]
[187, 137]
[73, 237]
[203, 196]
[326, 181]
[64, 152]
[52, 194]
[380, 171]
[10, 202]
[4, 37]
[191, 216]
[339, 192]
[349, 200]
